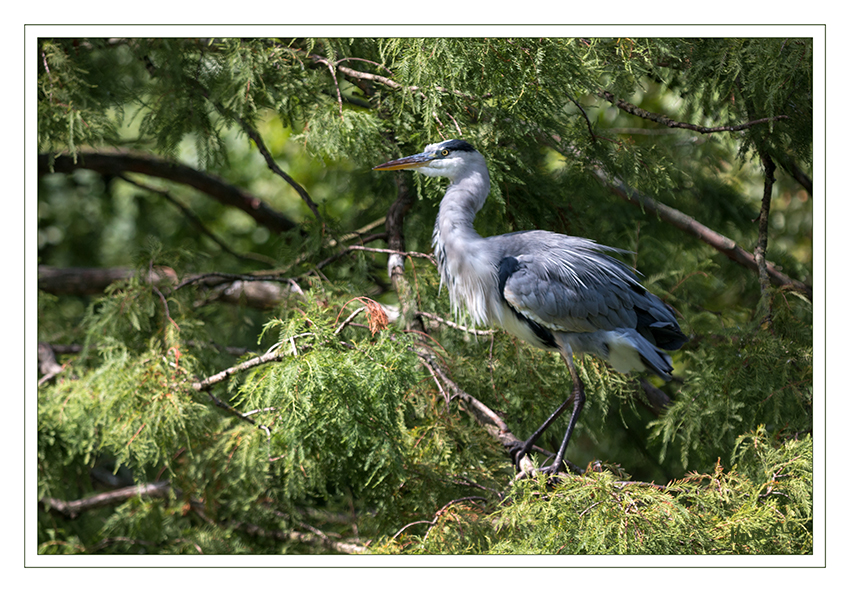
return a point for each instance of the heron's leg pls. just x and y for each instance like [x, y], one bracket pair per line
[578, 405]
[520, 449]
[577, 397]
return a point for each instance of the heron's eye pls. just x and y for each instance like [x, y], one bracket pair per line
[444, 152]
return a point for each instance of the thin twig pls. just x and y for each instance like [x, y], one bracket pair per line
[263, 410]
[586, 118]
[273, 166]
[759, 253]
[74, 508]
[348, 319]
[433, 521]
[339, 61]
[332, 68]
[233, 277]
[483, 414]
[427, 256]
[406, 526]
[161, 296]
[319, 540]
[442, 510]
[454, 325]
[587, 509]
[383, 79]
[439, 385]
[197, 221]
[716, 240]
[666, 121]
[261, 146]
[208, 382]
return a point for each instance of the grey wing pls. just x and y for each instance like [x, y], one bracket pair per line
[571, 284]
[568, 291]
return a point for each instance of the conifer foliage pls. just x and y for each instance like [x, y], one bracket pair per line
[243, 345]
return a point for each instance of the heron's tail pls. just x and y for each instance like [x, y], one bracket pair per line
[628, 350]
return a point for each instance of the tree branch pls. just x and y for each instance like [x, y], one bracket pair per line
[801, 177]
[485, 416]
[388, 82]
[84, 281]
[47, 364]
[207, 383]
[258, 140]
[307, 538]
[395, 263]
[74, 508]
[161, 489]
[664, 120]
[197, 223]
[716, 240]
[273, 166]
[454, 325]
[761, 246]
[118, 162]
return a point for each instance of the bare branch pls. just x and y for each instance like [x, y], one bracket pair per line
[47, 364]
[586, 118]
[316, 540]
[761, 246]
[427, 256]
[161, 489]
[81, 281]
[197, 222]
[74, 508]
[482, 414]
[801, 177]
[453, 325]
[433, 522]
[205, 384]
[666, 121]
[214, 278]
[273, 166]
[118, 162]
[716, 240]
[388, 82]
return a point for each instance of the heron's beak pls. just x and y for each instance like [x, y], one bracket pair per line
[408, 162]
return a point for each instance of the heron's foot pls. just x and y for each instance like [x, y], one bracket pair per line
[518, 450]
[553, 472]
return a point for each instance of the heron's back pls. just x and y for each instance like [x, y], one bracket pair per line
[572, 287]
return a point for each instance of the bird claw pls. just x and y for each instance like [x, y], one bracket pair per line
[518, 450]
[519, 455]
[552, 471]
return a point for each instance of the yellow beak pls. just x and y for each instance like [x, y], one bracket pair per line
[408, 162]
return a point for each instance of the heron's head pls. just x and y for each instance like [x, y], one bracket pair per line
[444, 159]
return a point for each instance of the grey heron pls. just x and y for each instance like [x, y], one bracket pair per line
[557, 292]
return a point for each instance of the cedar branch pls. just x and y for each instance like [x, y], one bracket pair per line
[666, 121]
[712, 238]
[119, 162]
[761, 246]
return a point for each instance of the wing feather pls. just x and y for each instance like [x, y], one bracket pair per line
[569, 284]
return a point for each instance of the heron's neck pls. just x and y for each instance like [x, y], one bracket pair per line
[462, 201]
[465, 268]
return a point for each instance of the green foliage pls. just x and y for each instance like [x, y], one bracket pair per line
[751, 509]
[341, 409]
[75, 100]
[772, 383]
[318, 429]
